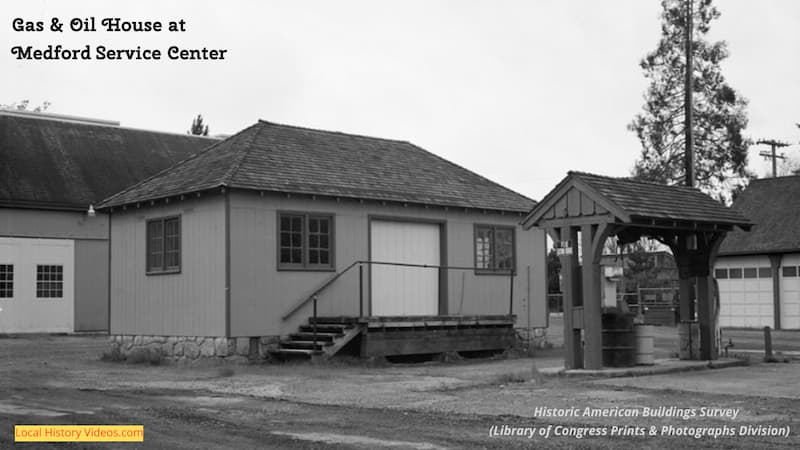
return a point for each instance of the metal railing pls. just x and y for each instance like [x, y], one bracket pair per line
[314, 297]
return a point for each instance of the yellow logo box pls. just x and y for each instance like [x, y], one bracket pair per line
[79, 433]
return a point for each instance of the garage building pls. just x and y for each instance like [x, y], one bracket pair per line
[759, 272]
[53, 248]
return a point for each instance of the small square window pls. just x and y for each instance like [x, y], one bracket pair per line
[6, 280]
[735, 273]
[49, 281]
[765, 272]
[750, 272]
[721, 274]
[494, 249]
[789, 271]
[305, 241]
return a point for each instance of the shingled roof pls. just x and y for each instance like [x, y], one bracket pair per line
[282, 158]
[774, 205]
[633, 200]
[52, 163]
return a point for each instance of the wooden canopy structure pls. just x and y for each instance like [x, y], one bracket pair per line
[583, 210]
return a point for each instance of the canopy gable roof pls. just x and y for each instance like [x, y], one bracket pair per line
[589, 198]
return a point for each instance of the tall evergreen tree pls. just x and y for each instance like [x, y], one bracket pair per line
[198, 128]
[719, 112]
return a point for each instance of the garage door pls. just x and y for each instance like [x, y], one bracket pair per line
[36, 285]
[745, 286]
[404, 291]
[790, 292]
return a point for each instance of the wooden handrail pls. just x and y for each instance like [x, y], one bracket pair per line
[331, 280]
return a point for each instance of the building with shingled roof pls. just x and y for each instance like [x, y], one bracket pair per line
[53, 245]
[229, 247]
[759, 272]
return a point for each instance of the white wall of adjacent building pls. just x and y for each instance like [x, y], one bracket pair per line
[37, 290]
[747, 293]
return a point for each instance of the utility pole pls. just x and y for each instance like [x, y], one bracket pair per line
[772, 154]
[687, 99]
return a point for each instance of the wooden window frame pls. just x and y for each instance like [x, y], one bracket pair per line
[7, 281]
[304, 265]
[49, 282]
[494, 270]
[163, 269]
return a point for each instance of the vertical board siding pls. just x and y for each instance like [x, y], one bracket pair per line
[91, 285]
[261, 294]
[189, 303]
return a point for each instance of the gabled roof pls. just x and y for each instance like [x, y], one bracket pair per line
[628, 201]
[774, 205]
[288, 159]
[59, 164]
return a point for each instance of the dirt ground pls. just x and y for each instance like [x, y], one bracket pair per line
[61, 380]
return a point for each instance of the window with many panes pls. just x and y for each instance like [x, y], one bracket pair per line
[6, 280]
[164, 245]
[305, 241]
[494, 249]
[49, 281]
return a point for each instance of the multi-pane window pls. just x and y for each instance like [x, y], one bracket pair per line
[494, 248]
[164, 245]
[6, 280]
[305, 241]
[49, 281]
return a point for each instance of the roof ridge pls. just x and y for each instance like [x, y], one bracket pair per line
[782, 177]
[319, 130]
[108, 126]
[633, 180]
[470, 171]
[179, 163]
[248, 147]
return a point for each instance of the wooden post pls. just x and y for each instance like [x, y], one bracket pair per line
[315, 322]
[573, 358]
[360, 290]
[767, 342]
[511, 293]
[681, 255]
[706, 314]
[592, 310]
[775, 264]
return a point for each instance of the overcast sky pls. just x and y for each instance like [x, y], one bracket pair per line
[518, 91]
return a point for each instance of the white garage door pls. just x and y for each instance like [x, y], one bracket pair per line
[745, 285]
[405, 291]
[790, 292]
[36, 285]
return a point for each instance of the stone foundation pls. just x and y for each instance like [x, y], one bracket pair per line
[533, 338]
[189, 348]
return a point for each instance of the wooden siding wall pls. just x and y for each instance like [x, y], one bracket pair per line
[34, 223]
[91, 285]
[91, 255]
[575, 203]
[191, 303]
[261, 295]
